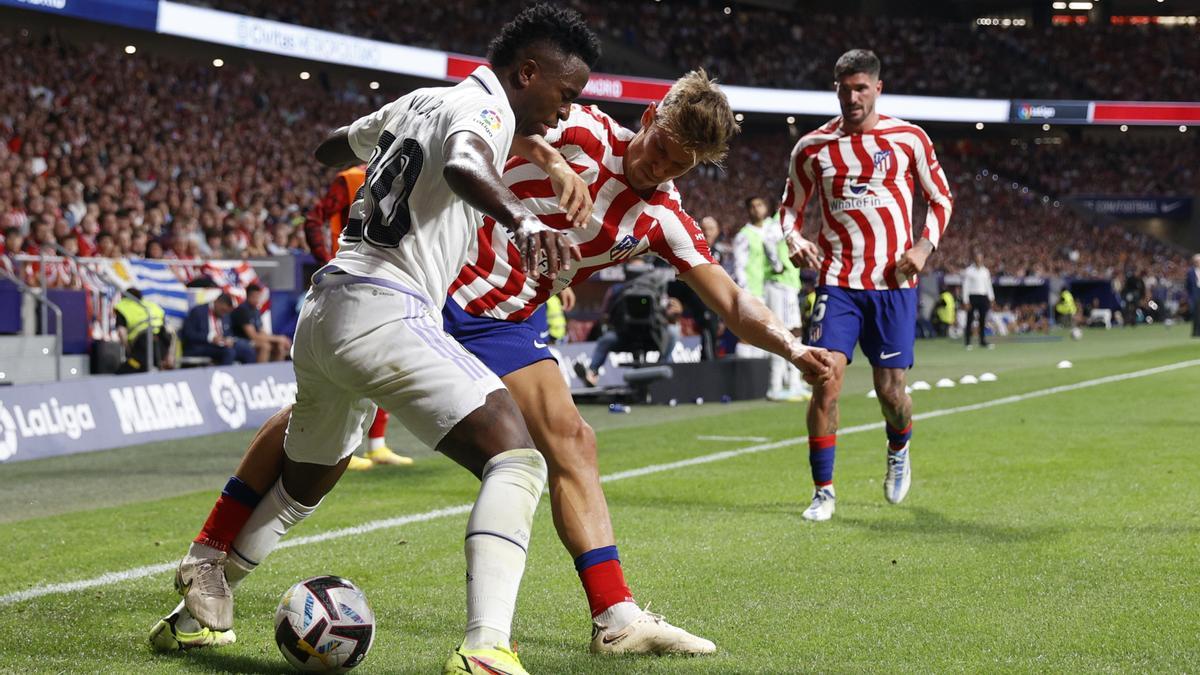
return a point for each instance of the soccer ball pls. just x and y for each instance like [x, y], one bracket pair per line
[324, 625]
[1076, 333]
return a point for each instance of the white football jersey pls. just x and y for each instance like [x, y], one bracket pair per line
[408, 225]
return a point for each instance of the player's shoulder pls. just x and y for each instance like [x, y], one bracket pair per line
[596, 122]
[823, 134]
[895, 125]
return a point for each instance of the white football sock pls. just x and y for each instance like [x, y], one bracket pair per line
[618, 616]
[198, 551]
[272, 518]
[185, 623]
[497, 539]
[375, 443]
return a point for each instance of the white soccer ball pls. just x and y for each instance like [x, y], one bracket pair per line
[324, 625]
[1076, 333]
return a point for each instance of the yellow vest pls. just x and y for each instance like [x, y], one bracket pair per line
[137, 318]
[810, 301]
[1066, 304]
[946, 312]
[556, 319]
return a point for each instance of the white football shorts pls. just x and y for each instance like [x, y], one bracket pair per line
[363, 341]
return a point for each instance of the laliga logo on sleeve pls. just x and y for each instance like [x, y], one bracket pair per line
[8, 438]
[228, 399]
[490, 120]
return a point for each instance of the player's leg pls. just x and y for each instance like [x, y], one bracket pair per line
[889, 336]
[378, 451]
[836, 325]
[582, 519]
[449, 400]
[203, 566]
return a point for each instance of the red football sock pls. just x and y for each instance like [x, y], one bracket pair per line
[379, 426]
[228, 515]
[605, 586]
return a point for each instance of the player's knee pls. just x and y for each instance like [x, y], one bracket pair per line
[568, 431]
[892, 396]
[522, 466]
[571, 449]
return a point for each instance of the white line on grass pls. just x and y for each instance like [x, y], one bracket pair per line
[371, 526]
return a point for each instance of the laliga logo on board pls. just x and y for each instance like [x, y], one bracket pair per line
[231, 405]
[47, 419]
[1028, 111]
[234, 400]
[8, 441]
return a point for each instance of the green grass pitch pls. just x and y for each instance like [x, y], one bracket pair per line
[1059, 533]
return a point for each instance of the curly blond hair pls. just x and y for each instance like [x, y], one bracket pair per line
[696, 113]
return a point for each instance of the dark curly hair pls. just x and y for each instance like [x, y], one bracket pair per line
[543, 22]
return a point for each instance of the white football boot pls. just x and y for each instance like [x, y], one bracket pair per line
[898, 476]
[822, 506]
[649, 633]
[206, 593]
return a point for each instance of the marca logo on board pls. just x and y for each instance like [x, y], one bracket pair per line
[234, 399]
[49, 418]
[156, 407]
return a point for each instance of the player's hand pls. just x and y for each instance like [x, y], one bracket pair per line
[802, 252]
[573, 196]
[544, 250]
[567, 297]
[913, 261]
[816, 364]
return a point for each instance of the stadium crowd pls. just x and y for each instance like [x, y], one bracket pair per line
[793, 49]
[111, 155]
[179, 160]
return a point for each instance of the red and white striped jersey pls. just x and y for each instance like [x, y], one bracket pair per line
[866, 198]
[623, 225]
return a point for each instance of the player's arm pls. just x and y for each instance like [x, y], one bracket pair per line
[353, 144]
[801, 182]
[937, 193]
[752, 322]
[335, 151]
[573, 196]
[471, 173]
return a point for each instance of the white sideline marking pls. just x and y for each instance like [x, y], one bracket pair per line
[756, 439]
[371, 526]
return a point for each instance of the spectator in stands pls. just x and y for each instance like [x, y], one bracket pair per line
[106, 246]
[247, 327]
[14, 242]
[205, 334]
[140, 320]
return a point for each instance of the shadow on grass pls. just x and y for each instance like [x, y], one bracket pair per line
[925, 521]
[209, 661]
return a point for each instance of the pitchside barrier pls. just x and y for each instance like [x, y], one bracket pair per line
[102, 412]
[111, 411]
